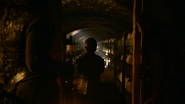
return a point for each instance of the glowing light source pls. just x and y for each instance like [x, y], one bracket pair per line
[72, 33]
[106, 52]
[107, 63]
[81, 38]
[75, 32]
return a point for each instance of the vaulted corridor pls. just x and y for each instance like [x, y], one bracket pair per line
[141, 42]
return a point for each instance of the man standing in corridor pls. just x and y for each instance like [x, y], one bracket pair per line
[91, 66]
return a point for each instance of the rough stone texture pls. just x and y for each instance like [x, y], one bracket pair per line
[78, 14]
[70, 15]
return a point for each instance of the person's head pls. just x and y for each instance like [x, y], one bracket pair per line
[90, 45]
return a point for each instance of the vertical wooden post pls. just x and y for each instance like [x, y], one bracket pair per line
[141, 80]
[75, 49]
[55, 11]
[64, 53]
[115, 59]
[71, 51]
[136, 55]
[124, 62]
[110, 46]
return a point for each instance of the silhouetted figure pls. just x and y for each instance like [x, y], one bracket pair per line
[91, 66]
[26, 40]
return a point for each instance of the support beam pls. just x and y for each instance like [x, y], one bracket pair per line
[124, 61]
[63, 53]
[115, 59]
[136, 54]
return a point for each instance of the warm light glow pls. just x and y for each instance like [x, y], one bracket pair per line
[106, 52]
[107, 63]
[82, 86]
[120, 77]
[81, 38]
[20, 75]
[72, 33]
[75, 32]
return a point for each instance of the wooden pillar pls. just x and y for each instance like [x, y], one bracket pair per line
[115, 59]
[110, 47]
[136, 54]
[71, 49]
[124, 61]
[141, 79]
[64, 53]
[55, 11]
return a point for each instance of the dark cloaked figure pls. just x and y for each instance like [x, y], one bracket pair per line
[26, 33]
[91, 66]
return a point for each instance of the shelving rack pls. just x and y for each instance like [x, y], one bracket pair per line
[123, 48]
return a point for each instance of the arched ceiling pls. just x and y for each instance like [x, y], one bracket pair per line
[113, 15]
[96, 32]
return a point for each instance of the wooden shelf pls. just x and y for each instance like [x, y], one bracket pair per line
[129, 49]
[129, 42]
[119, 85]
[128, 69]
[119, 63]
[128, 96]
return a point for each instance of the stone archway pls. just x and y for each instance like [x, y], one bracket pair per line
[78, 14]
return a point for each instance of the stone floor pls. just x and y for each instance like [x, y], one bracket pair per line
[110, 93]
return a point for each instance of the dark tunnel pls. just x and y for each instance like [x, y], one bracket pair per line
[47, 55]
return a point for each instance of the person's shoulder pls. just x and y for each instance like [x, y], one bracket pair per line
[100, 58]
